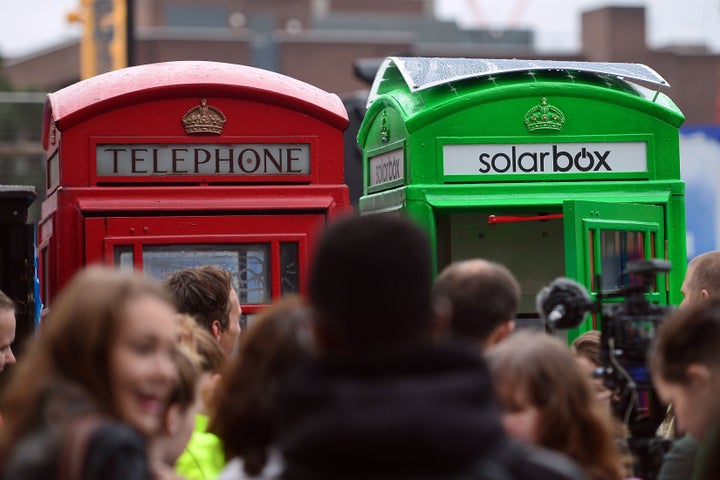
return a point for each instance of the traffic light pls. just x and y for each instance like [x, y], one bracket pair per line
[104, 40]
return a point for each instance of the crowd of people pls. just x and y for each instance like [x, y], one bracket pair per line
[381, 372]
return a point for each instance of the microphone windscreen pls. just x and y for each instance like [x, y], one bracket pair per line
[569, 294]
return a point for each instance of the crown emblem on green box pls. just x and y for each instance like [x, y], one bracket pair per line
[203, 120]
[544, 117]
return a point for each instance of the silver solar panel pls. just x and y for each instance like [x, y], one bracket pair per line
[425, 72]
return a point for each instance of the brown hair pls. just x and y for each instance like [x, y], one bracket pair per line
[245, 415]
[482, 295]
[6, 303]
[688, 335]
[587, 345]
[204, 293]
[541, 368]
[204, 351]
[74, 346]
[212, 357]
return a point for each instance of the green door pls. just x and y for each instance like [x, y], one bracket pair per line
[601, 238]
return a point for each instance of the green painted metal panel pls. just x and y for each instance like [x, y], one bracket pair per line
[557, 113]
[601, 237]
[451, 142]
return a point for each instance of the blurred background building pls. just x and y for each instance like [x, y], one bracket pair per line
[335, 45]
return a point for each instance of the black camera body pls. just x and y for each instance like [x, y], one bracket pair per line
[627, 332]
[628, 329]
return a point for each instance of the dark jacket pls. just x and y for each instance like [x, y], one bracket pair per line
[114, 451]
[424, 412]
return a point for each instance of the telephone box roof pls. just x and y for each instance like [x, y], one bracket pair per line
[141, 83]
[421, 73]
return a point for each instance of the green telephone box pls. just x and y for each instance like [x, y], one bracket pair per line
[551, 168]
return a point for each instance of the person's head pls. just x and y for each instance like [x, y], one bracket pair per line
[245, 415]
[200, 344]
[479, 297]
[207, 355]
[546, 400]
[685, 365]
[370, 284]
[179, 421]
[110, 333]
[7, 330]
[586, 348]
[702, 278]
[207, 294]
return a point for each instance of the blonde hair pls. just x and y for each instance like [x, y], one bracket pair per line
[200, 344]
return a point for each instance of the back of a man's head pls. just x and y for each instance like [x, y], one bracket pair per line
[704, 271]
[478, 296]
[370, 283]
[203, 292]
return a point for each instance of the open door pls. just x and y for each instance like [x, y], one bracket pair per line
[601, 238]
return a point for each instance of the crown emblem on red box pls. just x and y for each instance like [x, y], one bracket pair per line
[544, 117]
[203, 120]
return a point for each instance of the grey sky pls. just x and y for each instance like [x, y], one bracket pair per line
[29, 25]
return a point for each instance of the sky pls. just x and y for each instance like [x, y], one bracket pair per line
[30, 25]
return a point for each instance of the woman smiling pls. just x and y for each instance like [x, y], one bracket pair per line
[95, 385]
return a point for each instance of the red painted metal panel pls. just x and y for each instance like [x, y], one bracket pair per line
[142, 108]
[97, 95]
[94, 234]
[88, 216]
[137, 232]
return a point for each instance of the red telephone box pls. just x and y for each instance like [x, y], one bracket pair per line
[170, 165]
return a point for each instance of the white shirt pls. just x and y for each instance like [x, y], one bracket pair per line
[234, 469]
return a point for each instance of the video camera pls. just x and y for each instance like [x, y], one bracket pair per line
[627, 330]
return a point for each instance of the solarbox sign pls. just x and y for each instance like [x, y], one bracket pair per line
[544, 158]
[386, 168]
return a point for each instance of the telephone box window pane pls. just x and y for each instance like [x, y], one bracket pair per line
[254, 275]
[617, 248]
[289, 276]
[591, 243]
[248, 263]
[123, 256]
